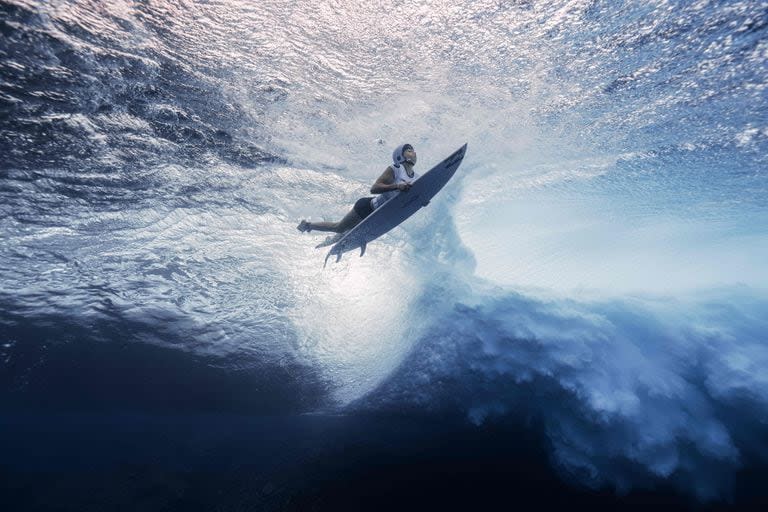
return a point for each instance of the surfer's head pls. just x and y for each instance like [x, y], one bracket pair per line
[404, 153]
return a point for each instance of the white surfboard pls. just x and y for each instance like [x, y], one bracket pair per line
[399, 207]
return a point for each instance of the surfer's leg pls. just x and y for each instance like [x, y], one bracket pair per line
[349, 221]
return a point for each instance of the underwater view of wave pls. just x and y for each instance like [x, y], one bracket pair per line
[592, 281]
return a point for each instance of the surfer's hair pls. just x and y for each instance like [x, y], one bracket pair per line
[397, 154]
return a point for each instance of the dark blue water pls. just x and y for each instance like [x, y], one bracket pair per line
[579, 319]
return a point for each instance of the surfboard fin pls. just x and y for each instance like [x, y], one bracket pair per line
[338, 257]
[362, 249]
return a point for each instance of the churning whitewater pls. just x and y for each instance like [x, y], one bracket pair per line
[596, 265]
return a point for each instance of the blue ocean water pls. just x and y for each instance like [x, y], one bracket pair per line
[581, 313]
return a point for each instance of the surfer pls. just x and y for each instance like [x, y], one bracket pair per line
[396, 177]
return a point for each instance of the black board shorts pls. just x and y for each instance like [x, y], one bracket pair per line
[363, 207]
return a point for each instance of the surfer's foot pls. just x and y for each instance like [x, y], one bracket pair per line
[304, 226]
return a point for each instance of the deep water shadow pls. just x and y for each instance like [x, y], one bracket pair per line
[58, 363]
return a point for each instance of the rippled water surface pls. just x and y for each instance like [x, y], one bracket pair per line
[597, 263]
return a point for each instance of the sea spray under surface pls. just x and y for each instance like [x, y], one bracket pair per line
[631, 392]
[596, 264]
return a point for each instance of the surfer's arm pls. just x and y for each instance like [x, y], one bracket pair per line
[386, 183]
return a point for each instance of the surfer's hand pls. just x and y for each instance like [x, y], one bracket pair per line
[403, 186]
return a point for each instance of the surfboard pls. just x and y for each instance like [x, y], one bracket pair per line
[330, 240]
[398, 208]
